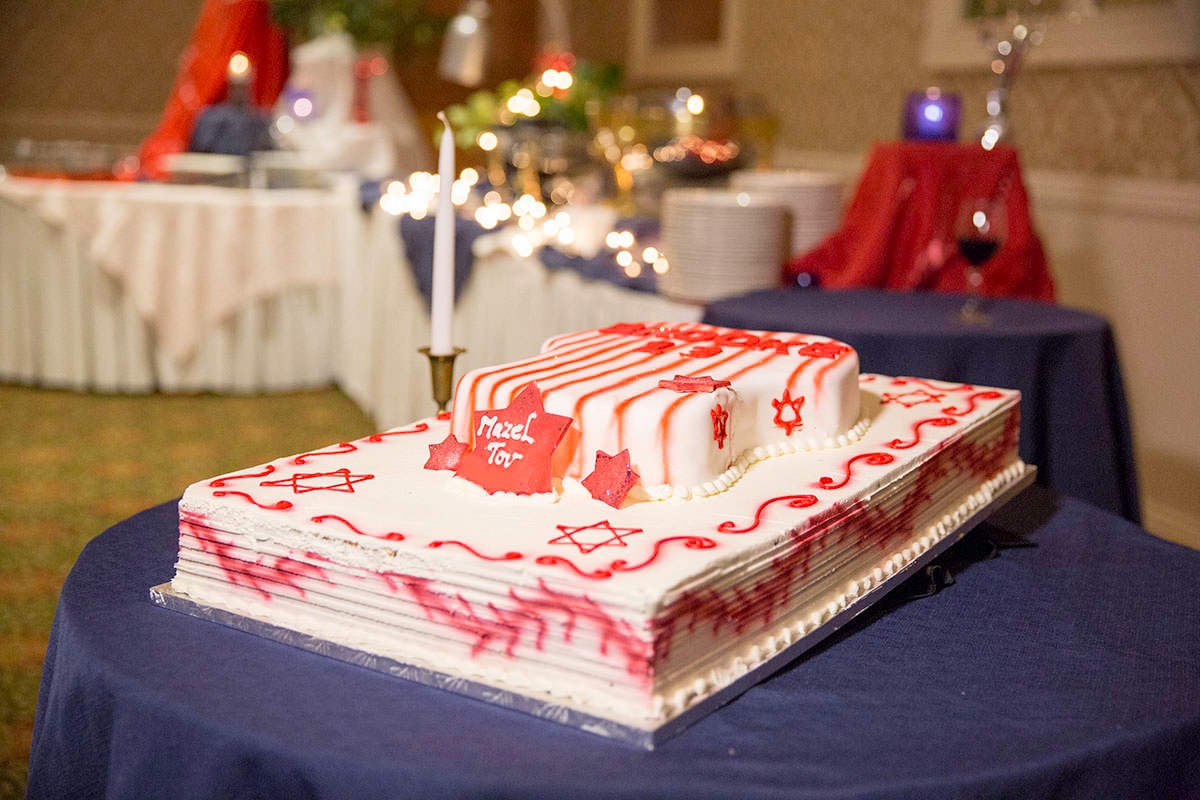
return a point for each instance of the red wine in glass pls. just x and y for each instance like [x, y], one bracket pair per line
[977, 251]
[979, 229]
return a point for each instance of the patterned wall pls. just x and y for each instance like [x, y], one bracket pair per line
[836, 73]
[97, 70]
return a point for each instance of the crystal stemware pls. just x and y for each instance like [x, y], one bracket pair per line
[980, 230]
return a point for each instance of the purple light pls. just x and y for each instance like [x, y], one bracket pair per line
[931, 116]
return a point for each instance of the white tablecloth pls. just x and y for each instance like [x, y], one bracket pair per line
[137, 288]
[509, 306]
[141, 287]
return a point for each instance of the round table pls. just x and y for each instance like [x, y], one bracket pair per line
[1074, 418]
[1071, 668]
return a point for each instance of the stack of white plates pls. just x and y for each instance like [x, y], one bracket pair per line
[213, 169]
[720, 242]
[813, 201]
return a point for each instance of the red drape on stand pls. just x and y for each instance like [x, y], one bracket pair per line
[898, 232]
[223, 28]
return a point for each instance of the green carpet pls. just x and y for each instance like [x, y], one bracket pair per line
[73, 464]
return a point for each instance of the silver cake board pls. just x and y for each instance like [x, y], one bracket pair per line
[163, 595]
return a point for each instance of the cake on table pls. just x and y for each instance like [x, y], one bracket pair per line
[617, 532]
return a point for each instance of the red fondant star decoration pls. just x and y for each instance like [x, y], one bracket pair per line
[687, 383]
[822, 350]
[340, 480]
[790, 420]
[612, 478]
[589, 537]
[914, 398]
[514, 445]
[720, 420]
[446, 454]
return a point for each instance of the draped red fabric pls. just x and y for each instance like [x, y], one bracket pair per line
[898, 232]
[223, 28]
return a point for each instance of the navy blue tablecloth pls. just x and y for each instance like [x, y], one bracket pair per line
[1069, 669]
[1074, 418]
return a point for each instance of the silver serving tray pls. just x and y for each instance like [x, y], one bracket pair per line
[167, 597]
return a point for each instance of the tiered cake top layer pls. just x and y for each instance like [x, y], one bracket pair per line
[685, 399]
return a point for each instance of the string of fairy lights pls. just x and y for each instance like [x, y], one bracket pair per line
[526, 220]
[529, 222]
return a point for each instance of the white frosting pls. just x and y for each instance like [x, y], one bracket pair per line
[632, 614]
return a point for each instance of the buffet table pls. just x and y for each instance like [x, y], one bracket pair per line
[113, 286]
[1066, 669]
[1074, 419]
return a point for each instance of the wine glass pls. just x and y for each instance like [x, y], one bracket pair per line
[980, 230]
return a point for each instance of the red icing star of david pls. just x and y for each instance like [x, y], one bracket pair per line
[914, 398]
[446, 454]
[720, 419]
[513, 446]
[612, 478]
[340, 480]
[589, 537]
[792, 421]
[822, 350]
[687, 383]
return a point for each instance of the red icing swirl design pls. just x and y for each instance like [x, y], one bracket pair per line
[376, 438]
[551, 561]
[792, 500]
[391, 536]
[218, 482]
[937, 422]
[282, 505]
[619, 565]
[873, 459]
[971, 403]
[962, 387]
[690, 542]
[343, 448]
[509, 556]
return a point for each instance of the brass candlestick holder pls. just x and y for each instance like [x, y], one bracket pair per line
[441, 372]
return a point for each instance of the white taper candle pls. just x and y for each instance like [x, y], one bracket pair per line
[442, 301]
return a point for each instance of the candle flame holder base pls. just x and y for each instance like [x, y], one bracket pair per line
[441, 372]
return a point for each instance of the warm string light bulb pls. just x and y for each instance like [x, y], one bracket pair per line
[535, 224]
[417, 196]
